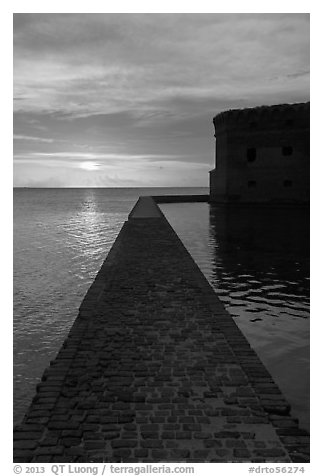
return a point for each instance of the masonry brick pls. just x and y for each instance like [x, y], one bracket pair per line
[152, 444]
[25, 445]
[124, 443]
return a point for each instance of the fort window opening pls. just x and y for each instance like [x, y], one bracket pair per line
[289, 122]
[252, 184]
[287, 150]
[251, 154]
[288, 183]
[253, 124]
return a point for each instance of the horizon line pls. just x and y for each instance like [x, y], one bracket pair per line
[146, 186]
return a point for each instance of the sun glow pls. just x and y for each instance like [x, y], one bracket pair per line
[89, 166]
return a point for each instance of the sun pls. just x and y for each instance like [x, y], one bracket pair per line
[89, 166]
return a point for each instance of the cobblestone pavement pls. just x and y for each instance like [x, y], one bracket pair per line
[155, 370]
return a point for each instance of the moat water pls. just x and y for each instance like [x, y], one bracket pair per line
[258, 263]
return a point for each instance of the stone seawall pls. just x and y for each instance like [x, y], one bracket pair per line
[181, 198]
[155, 370]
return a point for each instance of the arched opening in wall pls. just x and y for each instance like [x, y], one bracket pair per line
[287, 150]
[289, 122]
[251, 154]
[288, 183]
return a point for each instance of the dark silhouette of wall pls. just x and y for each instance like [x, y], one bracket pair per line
[262, 155]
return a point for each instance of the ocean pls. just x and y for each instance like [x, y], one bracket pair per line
[257, 261]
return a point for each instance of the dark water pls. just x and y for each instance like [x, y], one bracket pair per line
[257, 262]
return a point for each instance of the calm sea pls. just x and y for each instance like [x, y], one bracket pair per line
[257, 261]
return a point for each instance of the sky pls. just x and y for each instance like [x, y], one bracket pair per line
[127, 100]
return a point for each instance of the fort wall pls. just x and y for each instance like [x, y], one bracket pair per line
[262, 155]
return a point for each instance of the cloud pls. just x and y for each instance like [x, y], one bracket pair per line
[32, 139]
[70, 156]
[144, 87]
[299, 74]
[90, 64]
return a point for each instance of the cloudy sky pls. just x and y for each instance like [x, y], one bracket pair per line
[112, 100]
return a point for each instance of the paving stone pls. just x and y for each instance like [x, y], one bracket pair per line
[26, 435]
[74, 451]
[149, 435]
[72, 433]
[94, 445]
[171, 426]
[179, 453]
[235, 444]
[42, 459]
[123, 443]
[192, 427]
[171, 444]
[268, 453]
[141, 453]
[212, 443]
[122, 453]
[203, 454]
[68, 441]
[152, 444]
[168, 435]
[183, 435]
[202, 435]
[50, 450]
[23, 456]
[25, 445]
[241, 453]
[159, 454]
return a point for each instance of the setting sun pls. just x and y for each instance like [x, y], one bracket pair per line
[89, 166]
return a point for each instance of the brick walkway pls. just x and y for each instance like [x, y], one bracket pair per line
[154, 369]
